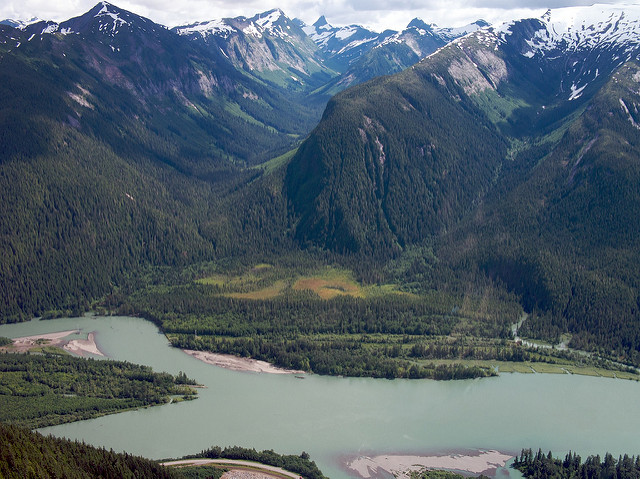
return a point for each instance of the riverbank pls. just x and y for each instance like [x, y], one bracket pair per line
[401, 466]
[235, 363]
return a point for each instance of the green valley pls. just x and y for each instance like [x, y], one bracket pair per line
[402, 237]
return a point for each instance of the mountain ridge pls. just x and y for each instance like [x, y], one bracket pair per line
[286, 53]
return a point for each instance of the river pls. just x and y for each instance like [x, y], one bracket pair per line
[332, 418]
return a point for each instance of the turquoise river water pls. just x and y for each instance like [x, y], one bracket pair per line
[334, 418]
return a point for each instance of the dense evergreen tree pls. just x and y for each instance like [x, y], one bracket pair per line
[49, 389]
[545, 466]
[29, 454]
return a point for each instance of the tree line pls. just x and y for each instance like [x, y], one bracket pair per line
[544, 466]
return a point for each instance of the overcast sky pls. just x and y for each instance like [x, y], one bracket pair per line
[375, 14]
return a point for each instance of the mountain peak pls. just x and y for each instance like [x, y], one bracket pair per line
[20, 24]
[268, 19]
[112, 12]
[107, 19]
[321, 22]
[419, 24]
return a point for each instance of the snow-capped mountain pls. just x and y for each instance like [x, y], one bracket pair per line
[344, 45]
[19, 24]
[586, 42]
[451, 33]
[424, 38]
[103, 18]
[391, 51]
[429, 153]
[269, 45]
[272, 23]
[580, 28]
[109, 20]
[572, 47]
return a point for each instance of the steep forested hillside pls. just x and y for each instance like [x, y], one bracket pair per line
[565, 237]
[385, 169]
[514, 152]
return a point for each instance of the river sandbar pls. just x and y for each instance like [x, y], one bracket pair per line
[83, 346]
[80, 347]
[236, 363]
[400, 466]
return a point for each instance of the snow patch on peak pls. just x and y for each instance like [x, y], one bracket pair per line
[213, 27]
[267, 20]
[583, 28]
[252, 30]
[346, 32]
[51, 28]
[449, 33]
[111, 12]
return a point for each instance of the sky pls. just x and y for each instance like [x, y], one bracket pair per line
[375, 14]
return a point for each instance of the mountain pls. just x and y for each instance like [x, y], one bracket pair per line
[344, 45]
[269, 45]
[20, 24]
[119, 136]
[151, 62]
[394, 51]
[128, 146]
[504, 76]
[513, 152]
[320, 59]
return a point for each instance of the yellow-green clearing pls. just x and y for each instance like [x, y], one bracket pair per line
[265, 281]
[330, 283]
[265, 293]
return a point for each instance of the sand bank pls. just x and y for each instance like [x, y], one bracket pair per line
[50, 339]
[400, 466]
[83, 346]
[77, 346]
[235, 363]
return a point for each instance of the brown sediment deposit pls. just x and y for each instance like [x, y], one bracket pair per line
[80, 347]
[236, 363]
[83, 346]
[401, 466]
